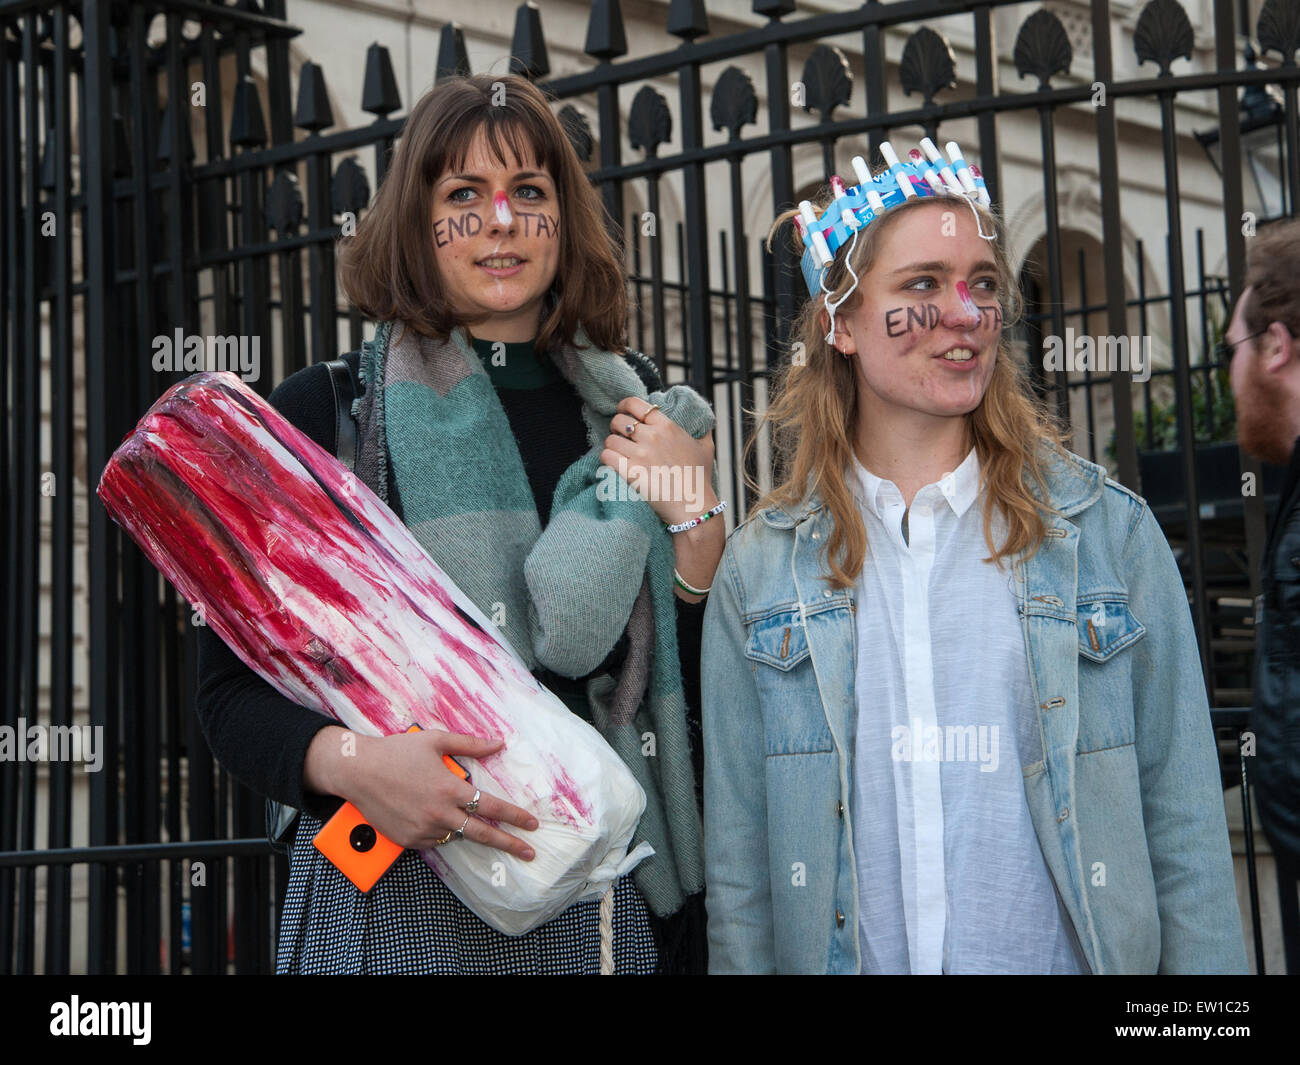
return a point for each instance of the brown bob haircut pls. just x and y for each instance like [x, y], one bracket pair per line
[388, 269]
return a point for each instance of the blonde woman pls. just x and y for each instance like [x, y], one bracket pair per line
[954, 717]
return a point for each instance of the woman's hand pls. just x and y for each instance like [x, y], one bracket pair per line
[401, 786]
[670, 469]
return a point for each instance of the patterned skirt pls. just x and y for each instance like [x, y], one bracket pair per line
[410, 922]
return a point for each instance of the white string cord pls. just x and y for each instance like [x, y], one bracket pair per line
[607, 931]
[833, 306]
[978, 224]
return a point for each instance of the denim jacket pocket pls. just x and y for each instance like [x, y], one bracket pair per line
[1106, 627]
[794, 718]
[779, 640]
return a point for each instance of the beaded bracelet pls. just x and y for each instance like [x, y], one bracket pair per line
[696, 521]
[681, 583]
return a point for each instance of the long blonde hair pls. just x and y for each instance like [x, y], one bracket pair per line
[813, 415]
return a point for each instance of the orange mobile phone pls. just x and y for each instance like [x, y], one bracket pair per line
[456, 768]
[359, 852]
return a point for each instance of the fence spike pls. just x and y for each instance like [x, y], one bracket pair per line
[165, 135]
[687, 19]
[121, 147]
[47, 164]
[379, 95]
[453, 60]
[605, 37]
[247, 126]
[528, 48]
[313, 112]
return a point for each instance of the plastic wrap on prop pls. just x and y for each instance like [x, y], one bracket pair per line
[319, 588]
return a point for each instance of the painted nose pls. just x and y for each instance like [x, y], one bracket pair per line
[961, 312]
[501, 213]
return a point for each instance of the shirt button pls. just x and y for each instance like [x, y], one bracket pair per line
[816, 536]
[1063, 815]
[827, 593]
[839, 919]
[839, 809]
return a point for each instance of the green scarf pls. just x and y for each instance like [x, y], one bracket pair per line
[562, 595]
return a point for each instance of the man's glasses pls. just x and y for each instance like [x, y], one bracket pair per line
[1223, 350]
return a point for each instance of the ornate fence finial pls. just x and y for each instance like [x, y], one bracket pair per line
[773, 9]
[649, 122]
[313, 112]
[528, 47]
[165, 133]
[349, 189]
[1042, 48]
[247, 126]
[578, 130]
[687, 19]
[283, 208]
[605, 37]
[379, 95]
[453, 60]
[828, 81]
[1278, 29]
[1163, 33]
[734, 104]
[927, 65]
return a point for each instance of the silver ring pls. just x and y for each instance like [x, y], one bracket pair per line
[630, 428]
[471, 806]
[460, 832]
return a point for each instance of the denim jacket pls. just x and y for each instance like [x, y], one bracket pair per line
[1126, 801]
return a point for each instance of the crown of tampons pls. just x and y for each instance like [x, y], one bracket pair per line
[927, 174]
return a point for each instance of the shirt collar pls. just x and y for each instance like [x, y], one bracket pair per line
[960, 487]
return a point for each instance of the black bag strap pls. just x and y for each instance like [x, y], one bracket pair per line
[345, 426]
[280, 818]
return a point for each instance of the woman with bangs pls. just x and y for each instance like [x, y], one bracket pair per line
[499, 415]
[954, 716]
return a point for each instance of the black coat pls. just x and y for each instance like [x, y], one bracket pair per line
[1275, 718]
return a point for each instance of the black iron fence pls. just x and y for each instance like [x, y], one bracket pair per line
[136, 206]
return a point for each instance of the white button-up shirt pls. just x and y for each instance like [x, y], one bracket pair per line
[951, 877]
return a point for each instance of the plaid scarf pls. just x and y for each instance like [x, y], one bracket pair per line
[563, 594]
